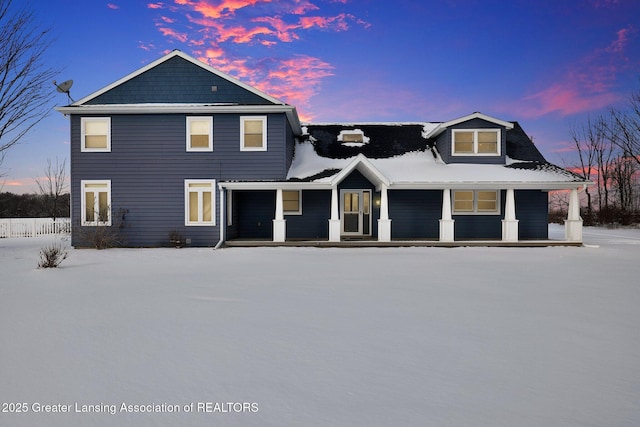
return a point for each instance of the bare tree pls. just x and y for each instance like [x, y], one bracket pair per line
[585, 141]
[52, 188]
[626, 128]
[25, 82]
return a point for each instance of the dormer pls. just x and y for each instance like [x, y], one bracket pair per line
[476, 138]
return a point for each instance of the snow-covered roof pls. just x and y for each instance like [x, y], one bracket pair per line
[425, 169]
[400, 155]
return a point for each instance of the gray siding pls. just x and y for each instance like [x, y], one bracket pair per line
[178, 81]
[148, 164]
[443, 143]
[415, 213]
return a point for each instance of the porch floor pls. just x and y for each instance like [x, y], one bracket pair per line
[368, 243]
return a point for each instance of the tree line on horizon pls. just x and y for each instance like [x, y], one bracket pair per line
[608, 149]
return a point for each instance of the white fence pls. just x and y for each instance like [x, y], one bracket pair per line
[31, 227]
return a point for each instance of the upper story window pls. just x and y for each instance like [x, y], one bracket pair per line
[292, 202]
[472, 142]
[476, 202]
[96, 202]
[199, 202]
[253, 133]
[96, 134]
[199, 133]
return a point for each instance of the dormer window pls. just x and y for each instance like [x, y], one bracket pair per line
[353, 138]
[475, 142]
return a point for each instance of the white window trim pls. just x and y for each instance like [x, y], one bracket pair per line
[84, 149]
[199, 223]
[475, 204]
[188, 132]
[83, 203]
[475, 143]
[264, 133]
[299, 211]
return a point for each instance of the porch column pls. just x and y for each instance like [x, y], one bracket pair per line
[223, 219]
[573, 224]
[510, 223]
[334, 222]
[384, 223]
[446, 223]
[279, 224]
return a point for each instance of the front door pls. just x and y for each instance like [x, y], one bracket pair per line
[356, 212]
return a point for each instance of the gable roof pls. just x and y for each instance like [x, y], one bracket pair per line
[477, 115]
[155, 84]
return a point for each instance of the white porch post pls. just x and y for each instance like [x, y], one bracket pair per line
[573, 224]
[334, 222]
[446, 223]
[223, 219]
[510, 223]
[384, 223]
[279, 224]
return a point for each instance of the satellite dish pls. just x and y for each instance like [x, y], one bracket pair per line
[64, 87]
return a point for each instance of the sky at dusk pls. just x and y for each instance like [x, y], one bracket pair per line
[546, 64]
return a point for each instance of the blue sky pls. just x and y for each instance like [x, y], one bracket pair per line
[547, 64]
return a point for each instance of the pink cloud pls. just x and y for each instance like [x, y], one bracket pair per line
[113, 6]
[217, 29]
[586, 85]
[170, 32]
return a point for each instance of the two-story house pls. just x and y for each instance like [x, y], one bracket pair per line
[178, 146]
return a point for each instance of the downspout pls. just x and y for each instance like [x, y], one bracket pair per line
[223, 220]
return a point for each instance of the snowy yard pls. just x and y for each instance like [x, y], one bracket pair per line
[323, 337]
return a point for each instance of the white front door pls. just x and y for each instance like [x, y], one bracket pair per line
[356, 212]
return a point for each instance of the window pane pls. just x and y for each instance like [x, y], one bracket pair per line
[253, 126]
[487, 142]
[95, 186]
[290, 206]
[90, 201]
[199, 141]
[199, 185]
[253, 140]
[103, 207]
[291, 201]
[193, 206]
[352, 137]
[366, 196]
[95, 141]
[487, 201]
[199, 127]
[92, 127]
[463, 201]
[206, 206]
[463, 142]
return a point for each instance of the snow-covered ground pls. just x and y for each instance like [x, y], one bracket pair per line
[324, 337]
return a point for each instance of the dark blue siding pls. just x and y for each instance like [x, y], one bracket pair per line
[255, 213]
[314, 221]
[443, 143]
[415, 213]
[178, 81]
[532, 211]
[148, 164]
[480, 226]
